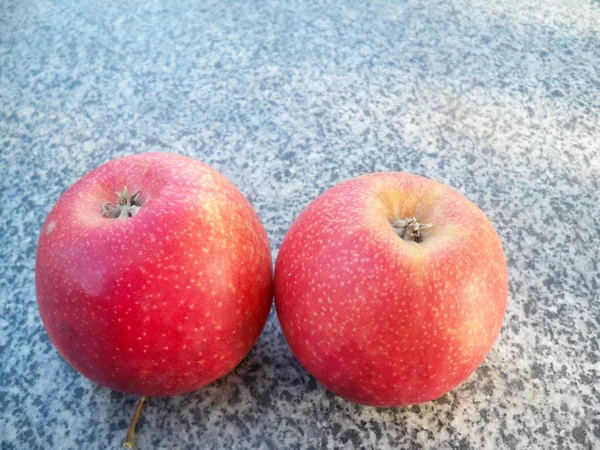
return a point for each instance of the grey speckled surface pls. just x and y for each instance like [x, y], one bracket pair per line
[498, 99]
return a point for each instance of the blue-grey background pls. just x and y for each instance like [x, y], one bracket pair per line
[286, 98]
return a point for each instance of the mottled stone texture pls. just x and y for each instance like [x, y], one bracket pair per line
[499, 99]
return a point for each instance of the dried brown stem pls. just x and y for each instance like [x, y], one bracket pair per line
[130, 436]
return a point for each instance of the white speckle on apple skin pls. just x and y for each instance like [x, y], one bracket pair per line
[50, 227]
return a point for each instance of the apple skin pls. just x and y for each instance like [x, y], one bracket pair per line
[383, 321]
[163, 302]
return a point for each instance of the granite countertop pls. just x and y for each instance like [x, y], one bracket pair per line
[501, 100]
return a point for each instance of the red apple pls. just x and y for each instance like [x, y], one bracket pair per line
[391, 289]
[153, 275]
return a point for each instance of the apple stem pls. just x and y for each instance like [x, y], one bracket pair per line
[127, 205]
[409, 229]
[130, 436]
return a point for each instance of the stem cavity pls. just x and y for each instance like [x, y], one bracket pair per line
[127, 205]
[130, 436]
[409, 229]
